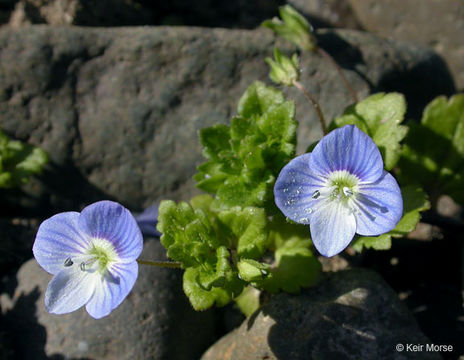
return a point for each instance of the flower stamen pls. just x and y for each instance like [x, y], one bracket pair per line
[68, 262]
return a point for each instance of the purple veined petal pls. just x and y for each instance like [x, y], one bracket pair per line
[112, 289]
[379, 206]
[69, 290]
[148, 220]
[347, 148]
[332, 227]
[113, 222]
[58, 239]
[294, 190]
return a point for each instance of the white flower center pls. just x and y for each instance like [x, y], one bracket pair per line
[98, 257]
[341, 186]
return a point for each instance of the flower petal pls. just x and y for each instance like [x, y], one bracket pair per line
[148, 220]
[111, 221]
[112, 289]
[70, 289]
[332, 227]
[347, 148]
[59, 238]
[379, 206]
[294, 188]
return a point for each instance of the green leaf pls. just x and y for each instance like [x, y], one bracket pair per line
[243, 160]
[200, 298]
[295, 265]
[187, 234]
[414, 202]
[248, 300]
[433, 154]
[381, 242]
[249, 227]
[252, 270]
[294, 28]
[283, 70]
[18, 161]
[379, 116]
[210, 242]
[258, 99]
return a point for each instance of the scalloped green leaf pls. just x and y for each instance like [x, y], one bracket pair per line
[248, 300]
[295, 265]
[244, 159]
[211, 241]
[379, 116]
[433, 154]
[249, 227]
[258, 99]
[253, 271]
[187, 234]
[19, 161]
[200, 298]
[414, 202]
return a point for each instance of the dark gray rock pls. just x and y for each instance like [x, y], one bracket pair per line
[154, 322]
[118, 109]
[352, 314]
[438, 24]
[327, 13]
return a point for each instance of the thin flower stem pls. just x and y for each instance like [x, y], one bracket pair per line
[320, 115]
[166, 264]
[329, 58]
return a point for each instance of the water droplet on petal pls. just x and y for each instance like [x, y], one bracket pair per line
[82, 266]
[309, 210]
[68, 262]
[316, 194]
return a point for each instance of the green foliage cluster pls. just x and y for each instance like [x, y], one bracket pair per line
[226, 240]
[243, 159]
[18, 161]
[233, 243]
[433, 154]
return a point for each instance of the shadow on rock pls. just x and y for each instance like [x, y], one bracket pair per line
[21, 326]
[419, 84]
[57, 189]
[420, 81]
[351, 315]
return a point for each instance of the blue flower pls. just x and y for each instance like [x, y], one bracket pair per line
[147, 221]
[340, 189]
[92, 256]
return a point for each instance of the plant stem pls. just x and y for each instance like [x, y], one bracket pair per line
[320, 115]
[166, 264]
[329, 58]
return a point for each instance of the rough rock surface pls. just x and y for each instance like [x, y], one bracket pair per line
[154, 322]
[118, 109]
[436, 23]
[352, 314]
[327, 13]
